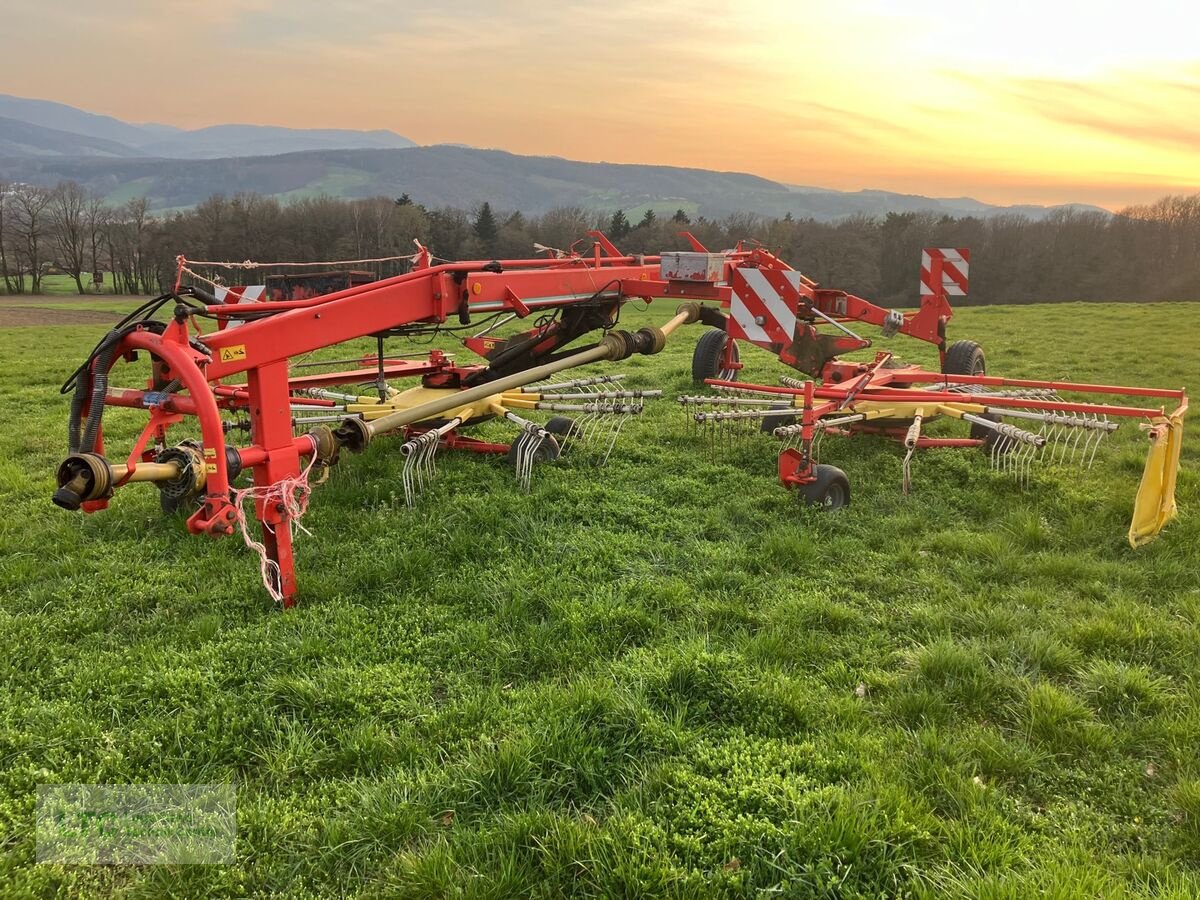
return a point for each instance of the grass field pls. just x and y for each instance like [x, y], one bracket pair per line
[663, 677]
[55, 285]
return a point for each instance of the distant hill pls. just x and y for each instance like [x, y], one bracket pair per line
[265, 140]
[26, 139]
[42, 142]
[154, 140]
[61, 117]
[464, 177]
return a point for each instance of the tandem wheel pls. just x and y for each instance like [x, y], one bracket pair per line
[709, 355]
[830, 490]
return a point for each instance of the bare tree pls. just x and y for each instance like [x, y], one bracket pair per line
[29, 212]
[67, 225]
[96, 216]
[11, 285]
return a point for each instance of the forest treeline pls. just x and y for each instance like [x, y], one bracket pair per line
[1149, 252]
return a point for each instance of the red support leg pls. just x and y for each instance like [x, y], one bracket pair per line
[271, 429]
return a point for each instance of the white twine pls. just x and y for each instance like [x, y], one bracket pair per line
[293, 493]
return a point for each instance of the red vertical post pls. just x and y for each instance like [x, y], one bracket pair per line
[271, 428]
[937, 297]
[808, 426]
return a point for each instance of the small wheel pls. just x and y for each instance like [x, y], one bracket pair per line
[777, 420]
[708, 357]
[983, 433]
[546, 451]
[830, 490]
[964, 358]
[564, 426]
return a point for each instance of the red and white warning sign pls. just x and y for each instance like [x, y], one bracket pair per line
[945, 270]
[763, 307]
[242, 295]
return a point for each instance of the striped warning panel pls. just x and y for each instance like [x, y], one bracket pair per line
[763, 307]
[241, 294]
[954, 263]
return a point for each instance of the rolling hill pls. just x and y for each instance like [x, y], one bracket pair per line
[75, 132]
[19, 138]
[464, 177]
[42, 142]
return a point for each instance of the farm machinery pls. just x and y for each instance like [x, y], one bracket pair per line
[238, 378]
[244, 383]
[1018, 422]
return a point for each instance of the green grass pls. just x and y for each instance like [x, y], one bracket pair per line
[339, 181]
[663, 677]
[58, 284]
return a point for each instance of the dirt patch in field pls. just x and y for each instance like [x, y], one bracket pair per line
[13, 316]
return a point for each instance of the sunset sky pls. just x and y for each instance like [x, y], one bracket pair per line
[1012, 102]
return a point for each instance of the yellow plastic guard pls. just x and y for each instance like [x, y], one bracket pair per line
[1155, 503]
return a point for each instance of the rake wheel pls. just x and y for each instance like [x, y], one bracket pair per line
[708, 356]
[777, 420]
[546, 451]
[564, 426]
[829, 490]
[965, 358]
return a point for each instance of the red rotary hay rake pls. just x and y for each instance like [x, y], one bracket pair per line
[242, 377]
[1019, 422]
[238, 377]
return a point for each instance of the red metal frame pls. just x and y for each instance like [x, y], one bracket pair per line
[246, 368]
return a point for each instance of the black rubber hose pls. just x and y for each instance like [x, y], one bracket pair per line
[74, 423]
[79, 397]
[104, 361]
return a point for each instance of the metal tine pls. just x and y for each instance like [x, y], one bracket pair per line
[1068, 436]
[432, 443]
[542, 387]
[522, 457]
[529, 448]
[1075, 445]
[1101, 435]
[620, 423]
[1052, 444]
[407, 476]
[1087, 443]
[411, 475]
[607, 422]
[585, 428]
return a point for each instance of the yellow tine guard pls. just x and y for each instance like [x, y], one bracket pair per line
[1155, 503]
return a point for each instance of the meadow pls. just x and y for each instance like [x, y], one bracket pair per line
[663, 677]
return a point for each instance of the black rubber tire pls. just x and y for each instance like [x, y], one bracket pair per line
[563, 426]
[830, 490]
[549, 450]
[706, 358]
[965, 358]
[773, 421]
